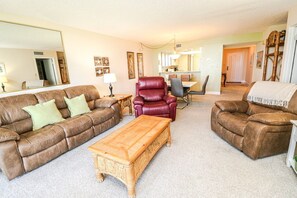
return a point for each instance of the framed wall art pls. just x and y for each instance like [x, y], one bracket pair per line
[131, 65]
[259, 59]
[140, 65]
[97, 61]
[101, 65]
[2, 69]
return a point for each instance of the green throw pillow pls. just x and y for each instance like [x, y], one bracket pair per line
[44, 114]
[77, 105]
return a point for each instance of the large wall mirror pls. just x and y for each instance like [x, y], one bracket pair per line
[31, 57]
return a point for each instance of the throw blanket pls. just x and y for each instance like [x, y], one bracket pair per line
[272, 93]
[34, 84]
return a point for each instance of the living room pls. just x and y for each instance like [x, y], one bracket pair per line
[198, 163]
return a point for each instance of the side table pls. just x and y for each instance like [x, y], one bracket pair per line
[290, 156]
[125, 100]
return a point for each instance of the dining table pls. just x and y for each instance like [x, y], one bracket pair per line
[186, 84]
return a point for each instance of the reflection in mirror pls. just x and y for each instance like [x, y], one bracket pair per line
[32, 57]
[186, 62]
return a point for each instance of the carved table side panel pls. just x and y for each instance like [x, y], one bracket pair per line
[142, 161]
[111, 167]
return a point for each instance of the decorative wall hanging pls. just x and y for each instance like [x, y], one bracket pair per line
[131, 66]
[101, 65]
[105, 61]
[259, 59]
[140, 65]
[2, 69]
[97, 61]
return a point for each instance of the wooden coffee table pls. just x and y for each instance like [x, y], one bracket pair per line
[126, 152]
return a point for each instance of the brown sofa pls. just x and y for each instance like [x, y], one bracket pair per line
[257, 130]
[22, 150]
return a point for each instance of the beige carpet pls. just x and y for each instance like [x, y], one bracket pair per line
[198, 164]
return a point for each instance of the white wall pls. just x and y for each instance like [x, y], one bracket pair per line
[81, 47]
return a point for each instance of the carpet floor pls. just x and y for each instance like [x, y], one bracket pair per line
[198, 164]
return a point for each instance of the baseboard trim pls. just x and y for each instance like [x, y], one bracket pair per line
[213, 92]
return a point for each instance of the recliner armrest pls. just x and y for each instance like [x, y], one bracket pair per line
[138, 100]
[169, 99]
[233, 106]
[8, 135]
[277, 119]
[105, 102]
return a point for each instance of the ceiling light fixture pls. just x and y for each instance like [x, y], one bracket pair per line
[175, 55]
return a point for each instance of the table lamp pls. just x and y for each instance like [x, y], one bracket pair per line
[110, 78]
[3, 80]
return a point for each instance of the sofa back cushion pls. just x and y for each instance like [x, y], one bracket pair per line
[90, 92]
[12, 116]
[151, 88]
[256, 108]
[58, 95]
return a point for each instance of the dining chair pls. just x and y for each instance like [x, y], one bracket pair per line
[178, 91]
[172, 76]
[202, 91]
[185, 77]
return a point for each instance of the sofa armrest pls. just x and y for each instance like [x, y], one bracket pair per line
[105, 102]
[8, 135]
[169, 99]
[232, 106]
[138, 100]
[276, 119]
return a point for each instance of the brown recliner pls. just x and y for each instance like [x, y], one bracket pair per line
[257, 130]
[22, 150]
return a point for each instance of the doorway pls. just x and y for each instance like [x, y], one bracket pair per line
[237, 64]
[46, 70]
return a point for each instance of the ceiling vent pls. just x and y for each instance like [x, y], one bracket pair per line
[178, 45]
[38, 53]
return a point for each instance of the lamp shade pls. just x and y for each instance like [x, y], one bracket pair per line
[3, 79]
[109, 78]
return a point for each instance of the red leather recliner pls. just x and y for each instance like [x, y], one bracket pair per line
[152, 98]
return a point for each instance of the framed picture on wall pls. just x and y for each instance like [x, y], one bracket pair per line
[259, 59]
[2, 69]
[105, 61]
[97, 61]
[131, 65]
[140, 65]
[99, 71]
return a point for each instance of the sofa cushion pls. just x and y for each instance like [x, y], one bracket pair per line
[152, 95]
[235, 122]
[77, 105]
[100, 115]
[255, 109]
[90, 92]
[44, 114]
[11, 111]
[58, 95]
[76, 125]
[155, 108]
[39, 140]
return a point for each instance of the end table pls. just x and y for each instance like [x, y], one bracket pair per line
[290, 156]
[125, 100]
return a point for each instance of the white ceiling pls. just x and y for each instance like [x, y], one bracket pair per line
[156, 21]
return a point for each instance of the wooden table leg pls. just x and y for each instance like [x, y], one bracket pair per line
[130, 107]
[169, 138]
[131, 181]
[99, 175]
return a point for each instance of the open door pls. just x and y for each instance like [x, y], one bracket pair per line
[46, 71]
